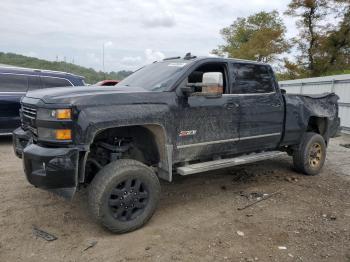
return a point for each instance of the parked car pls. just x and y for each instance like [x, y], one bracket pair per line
[178, 115]
[15, 82]
[107, 83]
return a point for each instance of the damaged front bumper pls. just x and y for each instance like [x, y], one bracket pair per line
[20, 140]
[52, 169]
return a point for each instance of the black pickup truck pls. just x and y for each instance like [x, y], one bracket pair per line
[182, 116]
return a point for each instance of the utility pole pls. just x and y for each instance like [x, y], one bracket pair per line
[103, 57]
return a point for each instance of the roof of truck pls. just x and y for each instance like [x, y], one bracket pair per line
[214, 58]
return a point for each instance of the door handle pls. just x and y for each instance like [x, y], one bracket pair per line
[276, 105]
[232, 105]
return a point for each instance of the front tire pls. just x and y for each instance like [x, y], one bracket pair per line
[310, 156]
[124, 195]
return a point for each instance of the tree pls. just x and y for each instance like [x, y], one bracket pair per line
[310, 13]
[259, 37]
[336, 45]
[290, 70]
[91, 76]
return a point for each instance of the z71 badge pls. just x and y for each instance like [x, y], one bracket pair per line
[187, 133]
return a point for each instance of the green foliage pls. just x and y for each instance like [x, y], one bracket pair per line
[291, 71]
[259, 37]
[309, 13]
[91, 76]
[340, 72]
[334, 54]
[322, 49]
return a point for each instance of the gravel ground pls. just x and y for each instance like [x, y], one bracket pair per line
[197, 219]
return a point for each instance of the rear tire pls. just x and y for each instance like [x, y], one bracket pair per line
[124, 195]
[310, 156]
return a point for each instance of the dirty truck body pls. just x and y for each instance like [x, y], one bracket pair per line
[174, 116]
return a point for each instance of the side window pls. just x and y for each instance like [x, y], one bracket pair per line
[54, 82]
[34, 83]
[13, 83]
[251, 79]
[196, 77]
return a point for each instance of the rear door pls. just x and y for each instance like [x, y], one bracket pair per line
[261, 107]
[34, 83]
[12, 88]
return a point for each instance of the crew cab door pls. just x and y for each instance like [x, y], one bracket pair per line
[207, 126]
[261, 107]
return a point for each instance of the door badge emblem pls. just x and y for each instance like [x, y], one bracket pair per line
[187, 133]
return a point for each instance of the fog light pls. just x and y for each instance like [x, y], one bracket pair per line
[64, 134]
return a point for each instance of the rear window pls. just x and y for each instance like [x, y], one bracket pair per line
[13, 83]
[34, 83]
[49, 82]
[251, 78]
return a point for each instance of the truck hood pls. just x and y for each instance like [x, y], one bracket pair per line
[87, 94]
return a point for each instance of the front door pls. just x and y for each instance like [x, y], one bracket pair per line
[261, 107]
[208, 126]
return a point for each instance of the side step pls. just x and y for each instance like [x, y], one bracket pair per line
[227, 162]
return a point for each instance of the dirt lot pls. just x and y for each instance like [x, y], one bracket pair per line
[197, 219]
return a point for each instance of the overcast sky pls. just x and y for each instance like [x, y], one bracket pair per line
[134, 32]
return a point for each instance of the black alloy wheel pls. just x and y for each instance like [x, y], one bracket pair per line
[128, 199]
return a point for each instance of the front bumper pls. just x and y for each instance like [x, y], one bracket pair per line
[20, 140]
[53, 169]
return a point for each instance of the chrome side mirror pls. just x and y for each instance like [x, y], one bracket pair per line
[212, 84]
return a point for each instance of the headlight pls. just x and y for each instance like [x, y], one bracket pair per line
[62, 114]
[54, 124]
[54, 134]
[54, 114]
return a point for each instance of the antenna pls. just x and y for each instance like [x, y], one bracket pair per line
[188, 56]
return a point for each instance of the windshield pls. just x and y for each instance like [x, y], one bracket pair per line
[155, 77]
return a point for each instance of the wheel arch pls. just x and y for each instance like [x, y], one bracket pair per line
[152, 138]
[318, 125]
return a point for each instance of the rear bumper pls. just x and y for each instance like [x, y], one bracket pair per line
[52, 169]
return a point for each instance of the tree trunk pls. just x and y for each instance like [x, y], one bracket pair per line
[310, 51]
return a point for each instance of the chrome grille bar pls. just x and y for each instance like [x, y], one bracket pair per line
[29, 112]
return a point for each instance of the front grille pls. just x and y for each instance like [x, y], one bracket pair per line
[28, 117]
[29, 112]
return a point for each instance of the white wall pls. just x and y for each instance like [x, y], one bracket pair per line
[339, 84]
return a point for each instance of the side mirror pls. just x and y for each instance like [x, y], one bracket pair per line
[283, 91]
[212, 84]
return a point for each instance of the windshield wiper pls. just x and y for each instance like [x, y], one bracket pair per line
[160, 87]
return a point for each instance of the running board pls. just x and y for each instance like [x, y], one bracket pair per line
[227, 162]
